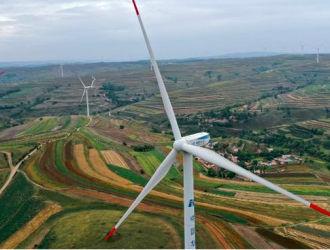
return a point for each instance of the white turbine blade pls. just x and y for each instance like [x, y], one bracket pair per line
[212, 157]
[82, 97]
[166, 100]
[93, 81]
[82, 82]
[155, 179]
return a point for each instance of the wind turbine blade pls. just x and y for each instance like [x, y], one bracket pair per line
[155, 179]
[82, 82]
[212, 157]
[82, 97]
[166, 100]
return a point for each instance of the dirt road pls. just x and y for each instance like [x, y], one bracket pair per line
[10, 160]
[14, 169]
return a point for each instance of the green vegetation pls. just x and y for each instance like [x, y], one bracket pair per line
[232, 218]
[67, 123]
[18, 206]
[283, 241]
[144, 148]
[86, 230]
[224, 193]
[151, 160]
[42, 127]
[129, 175]
[3, 177]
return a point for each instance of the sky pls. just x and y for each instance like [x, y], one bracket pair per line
[108, 30]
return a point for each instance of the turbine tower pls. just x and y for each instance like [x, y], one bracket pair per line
[192, 145]
[302, 48]
[61, 70]
[86, 88]
[318, 54]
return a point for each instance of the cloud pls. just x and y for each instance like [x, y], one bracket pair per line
[91, 29]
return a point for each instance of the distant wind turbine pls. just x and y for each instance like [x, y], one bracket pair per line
[61, 70]
[189, 146]
[302, 48]
[86, 88]
[318, 54]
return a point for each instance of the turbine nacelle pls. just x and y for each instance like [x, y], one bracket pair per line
[199, 139]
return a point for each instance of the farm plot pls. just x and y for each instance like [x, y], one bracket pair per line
[314, 124]
[89, 228]
[3, 176]
[11, 133]
[150, 161]
[18, 206]
[3, 161]
[85, 166]
[255, 239]
[114, 158]
[318, 241]
[102, 169]
[43, 126]
[30, 227]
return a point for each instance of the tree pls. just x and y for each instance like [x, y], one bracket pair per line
[211, 172]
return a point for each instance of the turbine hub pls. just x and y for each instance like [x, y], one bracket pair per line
[200, 139]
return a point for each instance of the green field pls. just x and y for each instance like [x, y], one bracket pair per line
[150, 161]
[129, 175]
[41, 127]
[18, 205]
[87, 230]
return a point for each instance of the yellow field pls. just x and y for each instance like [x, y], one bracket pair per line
[113, 158]
[103, 170]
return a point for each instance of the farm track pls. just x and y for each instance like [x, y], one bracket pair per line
[23, 233]
[216, 232]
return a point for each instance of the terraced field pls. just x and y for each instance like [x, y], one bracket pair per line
[86, 173]
[114, 158]
[73, 166]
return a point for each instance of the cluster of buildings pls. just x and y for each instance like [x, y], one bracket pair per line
[283, 160]
[259, 168]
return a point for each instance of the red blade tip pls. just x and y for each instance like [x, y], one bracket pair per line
[321, 210]
[111, 233]
[136, 8]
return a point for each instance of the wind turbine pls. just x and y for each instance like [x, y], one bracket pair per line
[318, 54]
[192, 145]
[86, 88]
[302, 48]
[61, 70]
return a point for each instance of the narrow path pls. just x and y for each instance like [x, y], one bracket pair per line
[10, 160]
[14, 169]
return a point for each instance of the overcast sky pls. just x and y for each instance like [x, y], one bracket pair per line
[108, 29]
